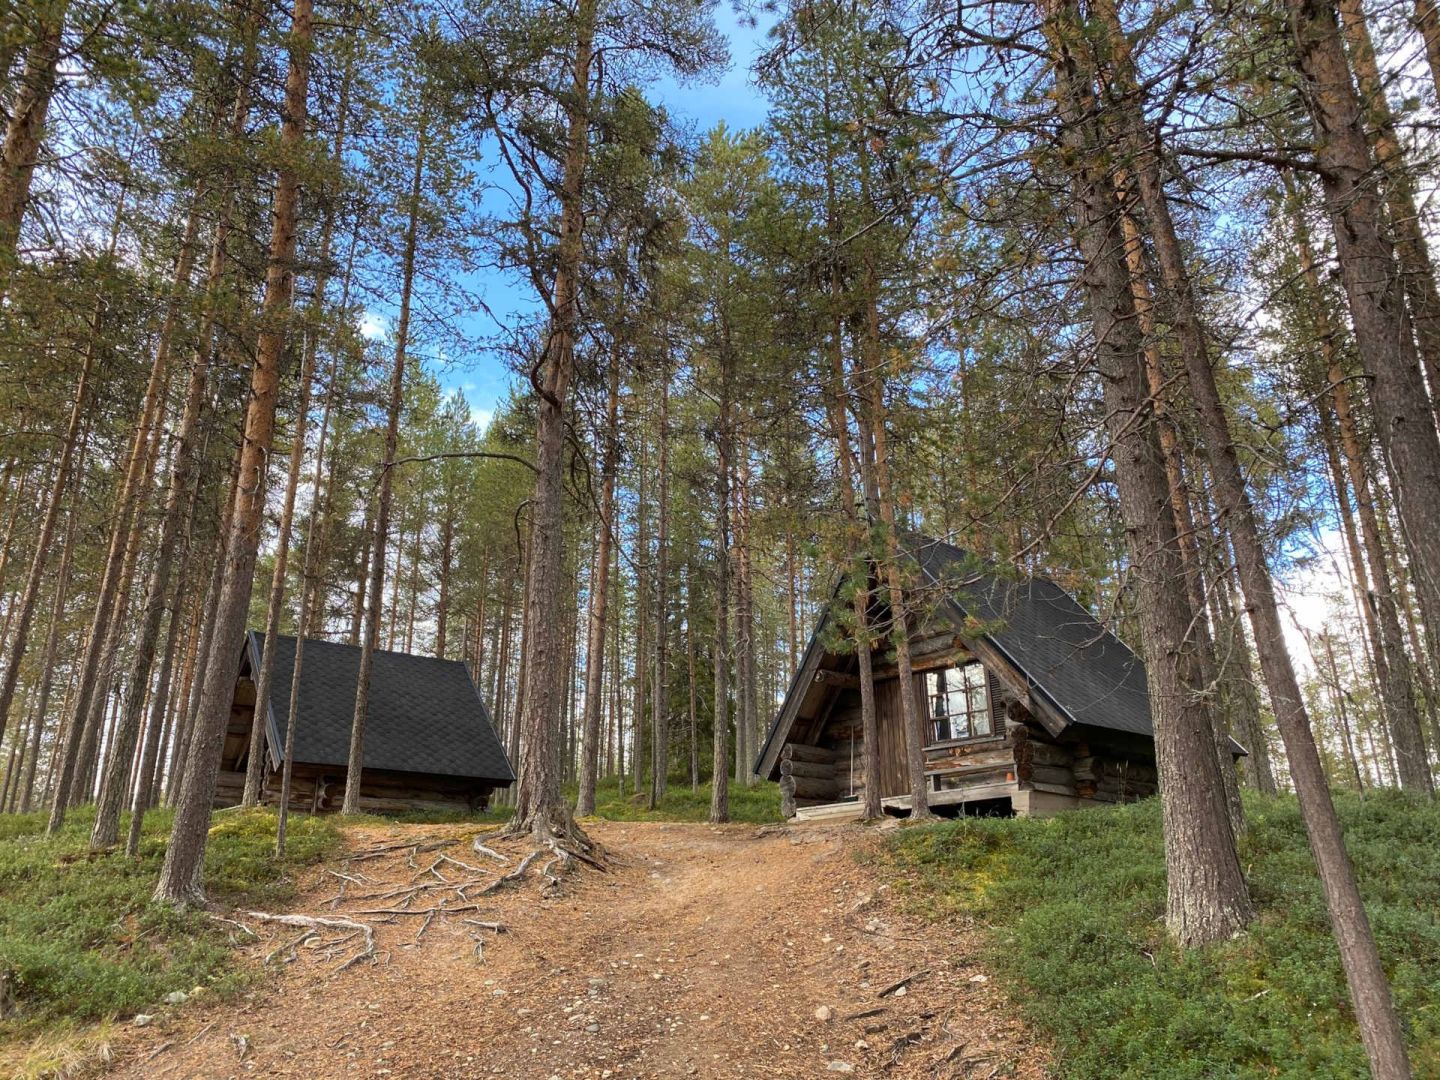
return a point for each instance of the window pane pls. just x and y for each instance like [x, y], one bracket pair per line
[932, 683]
[980, 723]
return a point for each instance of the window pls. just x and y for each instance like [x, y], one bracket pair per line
[959, 703]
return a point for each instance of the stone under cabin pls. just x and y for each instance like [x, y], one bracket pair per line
[1031, 706]
[430, 743]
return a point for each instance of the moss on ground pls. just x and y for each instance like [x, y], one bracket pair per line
[1073, 909]
[80, 939]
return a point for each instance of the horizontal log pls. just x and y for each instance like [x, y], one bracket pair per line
[815, 769]
[841, 679]
[809, 787]
[805, 752]
[1052, 774]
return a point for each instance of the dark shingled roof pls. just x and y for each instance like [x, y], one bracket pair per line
[425, 714]
[1088, 673]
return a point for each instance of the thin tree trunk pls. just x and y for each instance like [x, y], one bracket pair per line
[309, 594]
[1427, 25]
[105, 832]
[600, 598]
[660, 738]
[875, 450]
[52, 636]
[20, 631]
[720, 761]
[356, 761]
[180, 876]
[690, 671]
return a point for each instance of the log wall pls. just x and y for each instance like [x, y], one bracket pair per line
[1021, 754]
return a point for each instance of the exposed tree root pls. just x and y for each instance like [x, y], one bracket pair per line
[314, 923]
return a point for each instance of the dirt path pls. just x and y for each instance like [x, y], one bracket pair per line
[707, 952]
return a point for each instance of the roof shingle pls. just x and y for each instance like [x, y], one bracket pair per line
[425, 714]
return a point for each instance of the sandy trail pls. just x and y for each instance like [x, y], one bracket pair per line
[706, 952]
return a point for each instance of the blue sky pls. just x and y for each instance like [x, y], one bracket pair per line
[731, 98]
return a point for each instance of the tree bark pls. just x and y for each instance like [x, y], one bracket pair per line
[255, 761]
[540, 808]
[1398, 188]
[600, 599]
[26, 128]
[1207, 897]
[105, 832]
[376, 588]
[52, 636]
[1380, 322]
[180, 875]
[660, 737]
[720, 759]
[20, 630]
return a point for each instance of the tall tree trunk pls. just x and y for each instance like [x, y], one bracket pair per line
[720, 760]
[1341, 711]
[1427, 24]
[600, 598]
[859, 570]
[376, 588]
[442, 601]
[310, 590]
[1383, 334]
[162, 702]
[690, 671]
[180, 750]
[52, 636]
[105, 832]
[1207, 897]
[180, 876]
[875, 450]
[744, 620]
[1393, 669]
[20, 630]
[1185, 528]
[26, 128]
[660, 738]
[539, 805]
[255, 762]
[1406, 226]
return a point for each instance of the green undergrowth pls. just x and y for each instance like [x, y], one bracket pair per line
[756, 805]
[1073, 909]
[80, 939]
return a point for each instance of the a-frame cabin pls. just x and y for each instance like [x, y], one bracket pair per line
[1031, 706]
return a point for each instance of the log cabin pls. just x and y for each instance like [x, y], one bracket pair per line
[1030, 705]
[429, 741]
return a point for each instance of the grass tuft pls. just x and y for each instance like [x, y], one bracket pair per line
[756, 805]
[1073, 908]
[80, 939]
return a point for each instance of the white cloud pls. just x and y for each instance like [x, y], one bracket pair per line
[372, 326]
[1314, 596]
[481, 417]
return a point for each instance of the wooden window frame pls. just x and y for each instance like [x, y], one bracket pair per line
[969, 714]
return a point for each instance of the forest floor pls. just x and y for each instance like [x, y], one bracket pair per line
[703, 951]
